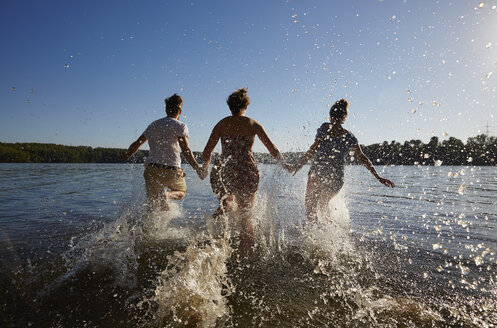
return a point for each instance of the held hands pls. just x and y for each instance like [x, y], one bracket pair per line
[202, 171]
[292, 168]
[386, 182]
[288, 167]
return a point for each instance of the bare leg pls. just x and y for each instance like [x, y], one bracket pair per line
[225, 205]
[247, 236]
[173, 194]
[324, 201]
[312, 197]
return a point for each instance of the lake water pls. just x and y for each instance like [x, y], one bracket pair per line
[78, 250]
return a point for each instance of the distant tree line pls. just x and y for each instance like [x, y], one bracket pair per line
[479, 150]
[52, 153]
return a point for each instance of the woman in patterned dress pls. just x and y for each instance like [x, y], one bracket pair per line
[326, 175]
[234, 176]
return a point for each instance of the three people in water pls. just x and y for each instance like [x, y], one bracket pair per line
[234, 176]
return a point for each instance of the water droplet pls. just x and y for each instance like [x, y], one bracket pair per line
[461, 189]
[414, 110]
[28, 101]
[425, 275]
[452, 174]
[445, 134]
[438, 163]
[469, 159]
[488, 45]
[489, 75]
[66, 66]
[295, 21]
[409, 99]
[437, 246]
[294, 16]
[481, 4]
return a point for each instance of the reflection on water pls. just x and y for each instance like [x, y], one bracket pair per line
[78, 250]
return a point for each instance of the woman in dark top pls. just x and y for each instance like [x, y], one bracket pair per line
[331, 146]
[234, 175]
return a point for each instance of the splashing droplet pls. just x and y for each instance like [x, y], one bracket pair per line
[437, 246]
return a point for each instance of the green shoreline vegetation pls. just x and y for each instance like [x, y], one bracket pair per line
[479, 150]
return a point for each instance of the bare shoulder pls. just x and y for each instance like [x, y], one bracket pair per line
[253, 123]
[222, 123]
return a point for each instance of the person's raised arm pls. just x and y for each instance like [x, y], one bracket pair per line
[367, 163]
[207, 154]
[133, 148]
[305, 158]
[187, 153]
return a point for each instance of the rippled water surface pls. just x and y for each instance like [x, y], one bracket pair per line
[78, 250]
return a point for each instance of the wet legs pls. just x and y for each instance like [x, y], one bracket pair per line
[316, 197]
[245, 204]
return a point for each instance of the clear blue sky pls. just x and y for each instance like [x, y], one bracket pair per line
[96, 72]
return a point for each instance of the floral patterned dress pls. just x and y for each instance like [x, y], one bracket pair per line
[235, 170]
